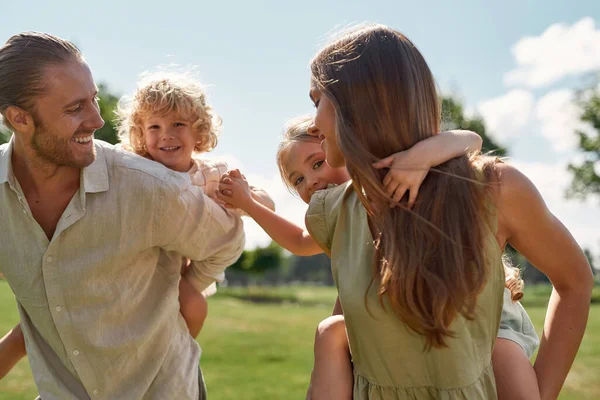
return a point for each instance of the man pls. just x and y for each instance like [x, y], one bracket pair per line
[93, 237]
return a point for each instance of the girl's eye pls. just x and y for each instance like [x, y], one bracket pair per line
[318, 164]
[179, 124]
[317, 103]
[153, 127]
[298, 181]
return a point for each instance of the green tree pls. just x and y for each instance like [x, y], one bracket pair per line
[586, 178]
[267, 258]
[4, 135]
[590, 258]
[453, 116]
[108, 105]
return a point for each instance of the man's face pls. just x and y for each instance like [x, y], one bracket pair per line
[66, 116]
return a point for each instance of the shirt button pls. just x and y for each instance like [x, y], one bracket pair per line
[75, 352]
[49, 259]
[95, 391]
[58, 308]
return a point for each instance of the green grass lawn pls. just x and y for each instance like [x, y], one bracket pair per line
[264, 350]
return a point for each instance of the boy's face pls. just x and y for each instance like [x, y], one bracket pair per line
[307, 170]
[170, 140]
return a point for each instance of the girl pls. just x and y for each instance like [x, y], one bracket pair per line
[303, 169]
[422, 287]
[169, 121]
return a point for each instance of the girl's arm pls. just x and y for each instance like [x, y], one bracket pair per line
[408, 169]
[525, 222]
[12, 349]
[235, 191]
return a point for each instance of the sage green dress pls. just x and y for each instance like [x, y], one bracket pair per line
[389, 358]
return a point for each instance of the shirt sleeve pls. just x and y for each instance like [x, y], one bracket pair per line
[196, 227]
[322, 214]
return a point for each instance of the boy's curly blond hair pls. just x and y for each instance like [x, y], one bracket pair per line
[158, 94]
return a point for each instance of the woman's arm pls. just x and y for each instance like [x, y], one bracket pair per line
[236, 192]
[526, 223]
[408, 169]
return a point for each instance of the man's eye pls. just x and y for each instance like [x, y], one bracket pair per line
[298, 181]
[76, 109]
[318, 164]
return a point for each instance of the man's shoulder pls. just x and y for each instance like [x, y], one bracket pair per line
[131, 167]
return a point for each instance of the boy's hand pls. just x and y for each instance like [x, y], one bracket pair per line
[406, 173]
[234, 190]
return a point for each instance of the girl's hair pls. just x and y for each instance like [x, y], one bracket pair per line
[431, 260]
[295, 130]
[158, 94]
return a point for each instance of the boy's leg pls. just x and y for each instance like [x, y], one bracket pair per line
[332, 376]
[193, 307]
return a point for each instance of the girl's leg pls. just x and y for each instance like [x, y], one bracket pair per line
[193, 307]
[515, 376]
[12, 349]
[332, 377]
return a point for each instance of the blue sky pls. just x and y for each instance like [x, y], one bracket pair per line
[254, 57]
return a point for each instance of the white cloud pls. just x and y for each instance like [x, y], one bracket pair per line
[505, 116]
[559, 118]
[560, 51]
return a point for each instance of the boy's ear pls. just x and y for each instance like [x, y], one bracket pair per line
[20, 120]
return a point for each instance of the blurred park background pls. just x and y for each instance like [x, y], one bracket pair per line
[526, 77]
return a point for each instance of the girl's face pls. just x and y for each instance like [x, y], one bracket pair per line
[308, 171]
[170, 140]
[325, 124]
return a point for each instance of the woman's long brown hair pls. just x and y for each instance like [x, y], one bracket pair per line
[430, 261]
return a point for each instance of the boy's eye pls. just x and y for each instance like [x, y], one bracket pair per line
[153, 127]
[318, 164]
[298, 181]
[179, 124]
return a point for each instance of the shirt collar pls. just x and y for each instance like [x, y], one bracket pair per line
[5, 160]
[95, 175]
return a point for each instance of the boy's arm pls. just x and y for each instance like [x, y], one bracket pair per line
[408, 169]
[285, 233]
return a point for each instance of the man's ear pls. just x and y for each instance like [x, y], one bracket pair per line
[19, 119]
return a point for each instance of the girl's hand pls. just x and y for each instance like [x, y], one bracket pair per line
[406, 174]
[234, 190]
[409, 168]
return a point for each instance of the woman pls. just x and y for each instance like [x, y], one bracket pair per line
[421, 288]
